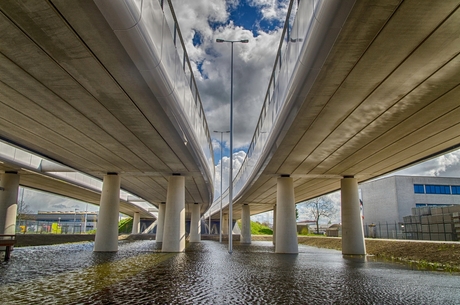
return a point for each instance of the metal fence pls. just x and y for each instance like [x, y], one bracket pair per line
[384, 230]
[426, 230]
[50, 227]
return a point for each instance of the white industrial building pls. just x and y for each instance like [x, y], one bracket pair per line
[389, 199]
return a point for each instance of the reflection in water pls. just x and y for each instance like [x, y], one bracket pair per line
[45, 275]
[207, 274]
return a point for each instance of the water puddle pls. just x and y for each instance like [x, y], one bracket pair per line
[207, 274]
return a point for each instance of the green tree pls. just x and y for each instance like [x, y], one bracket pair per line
[23, 213]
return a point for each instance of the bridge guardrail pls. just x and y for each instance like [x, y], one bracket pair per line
[196, 117]
[309, 32]
[149, 32]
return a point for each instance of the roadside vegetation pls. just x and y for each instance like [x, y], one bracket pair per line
[423, 255]
[258, 228]
[125, 226]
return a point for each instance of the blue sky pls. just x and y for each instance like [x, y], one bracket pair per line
[259, 21]
[250, 17]
[246, 16]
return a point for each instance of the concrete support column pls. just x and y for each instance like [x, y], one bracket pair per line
[274, 224]
[9, 184]
[136, 223]
[224, 224]
[195, 224]
[352, 225]
[286, 227]
[245, 225]
[107, 223]
[174, 225]
[160, 222]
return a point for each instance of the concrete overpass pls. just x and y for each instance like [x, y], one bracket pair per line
[40, 174]
[359, 89]
[105, 88]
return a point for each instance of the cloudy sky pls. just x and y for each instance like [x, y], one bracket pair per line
[201, 23]
[259, 21]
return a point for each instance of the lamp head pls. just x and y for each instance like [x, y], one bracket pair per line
[219, 40]
[244, 41]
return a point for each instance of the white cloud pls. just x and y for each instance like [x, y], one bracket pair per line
[238, 158]
[252, 68]
[194, 17]
[253, 63]
[272, 9]
[447, 165]
[41, 201]
[266, 217]
[215, 145]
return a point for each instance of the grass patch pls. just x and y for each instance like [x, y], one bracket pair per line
[258, 228]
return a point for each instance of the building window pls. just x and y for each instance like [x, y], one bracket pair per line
[456, 189]
[419, 189]
[437, 189]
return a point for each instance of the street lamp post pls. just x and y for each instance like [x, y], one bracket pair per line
[230, 183]
[85, 219]
[74, 220]
[220, 214]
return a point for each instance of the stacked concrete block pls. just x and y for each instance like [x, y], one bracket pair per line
[453, 209]
[456, 224]
[427, 223]
[436, 211]
[413, 225]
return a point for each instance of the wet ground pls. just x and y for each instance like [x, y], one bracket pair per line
[207, 274]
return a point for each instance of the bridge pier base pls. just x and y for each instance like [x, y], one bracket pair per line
[160, 222]
[352, 224]
[106, 239]
[195, 224]
[174, 224]
[136, 223]
[8, 202]
[245, 225]
[286, 227]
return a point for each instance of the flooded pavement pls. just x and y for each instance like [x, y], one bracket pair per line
[207, 274]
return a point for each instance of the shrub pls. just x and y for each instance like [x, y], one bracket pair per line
[304, 231]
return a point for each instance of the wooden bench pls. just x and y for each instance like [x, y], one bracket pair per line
[7, 241]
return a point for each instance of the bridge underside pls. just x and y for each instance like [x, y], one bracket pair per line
[70, 92]
[56, 186]
[387, 97]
